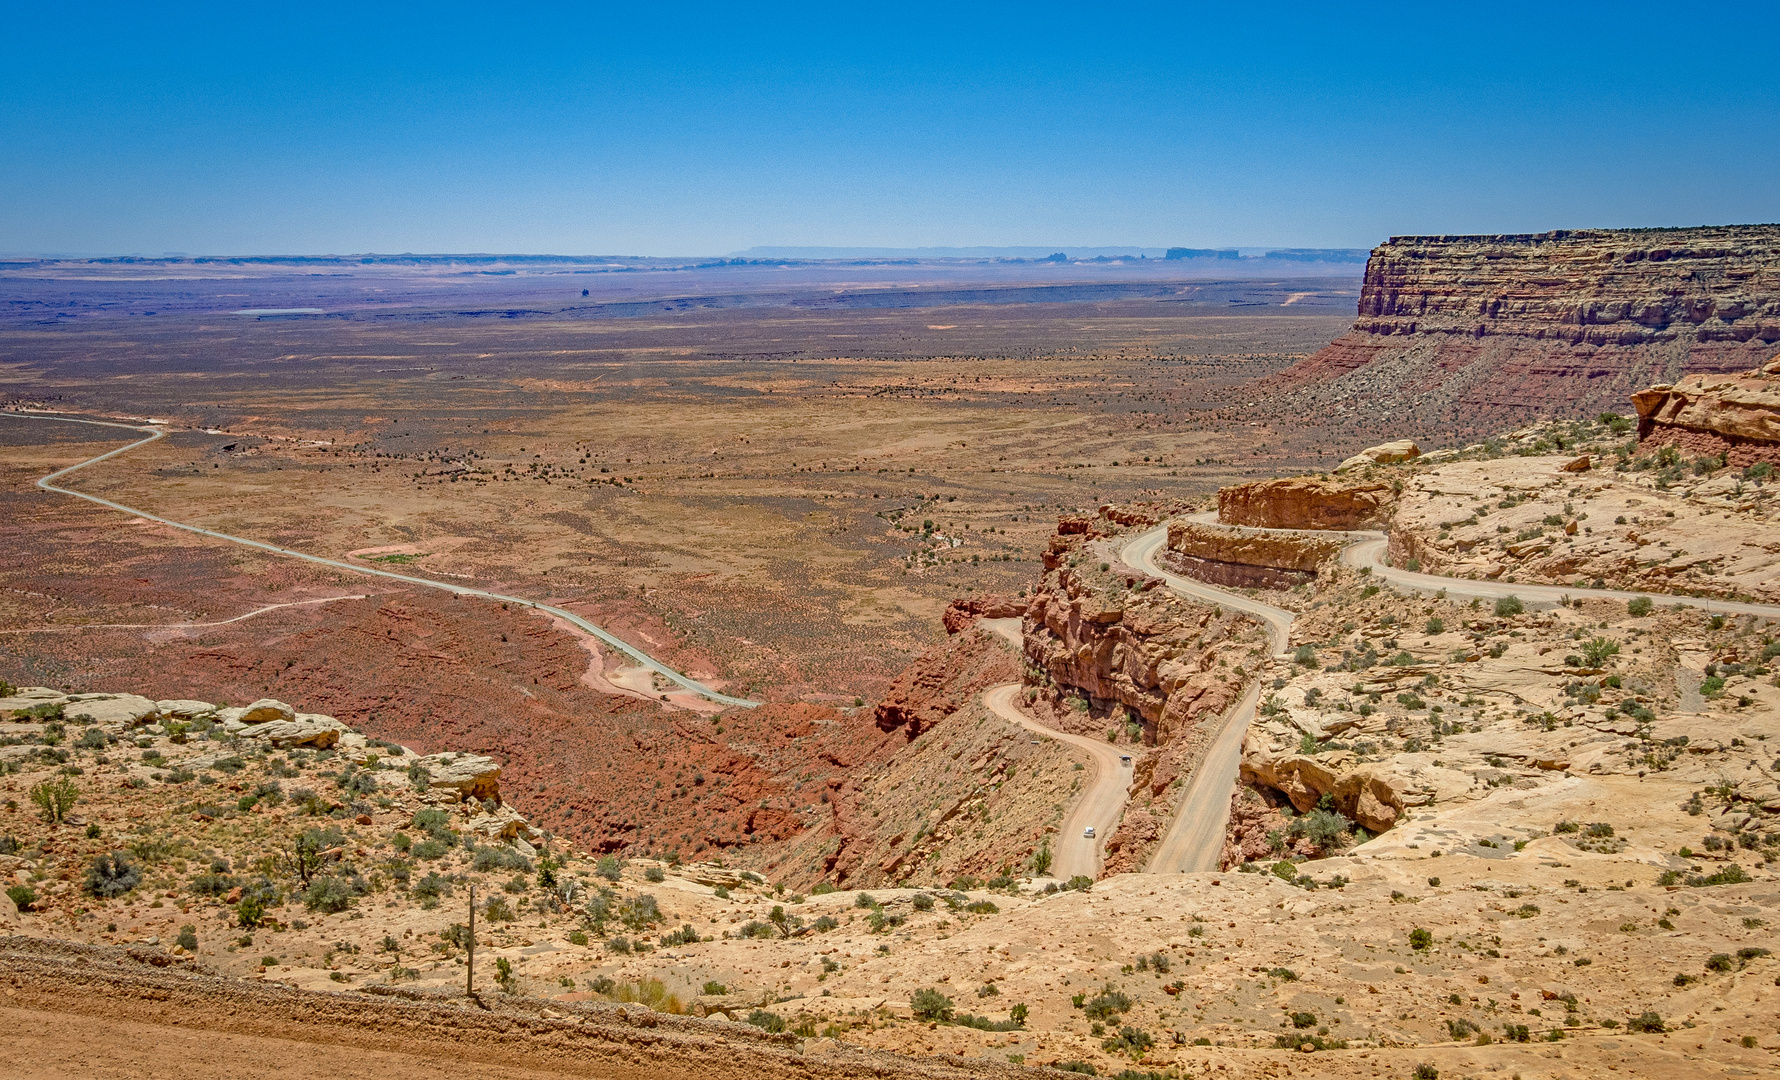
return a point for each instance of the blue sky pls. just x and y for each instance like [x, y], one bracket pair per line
[685, 130]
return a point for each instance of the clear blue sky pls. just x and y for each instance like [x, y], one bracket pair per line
[674, 129]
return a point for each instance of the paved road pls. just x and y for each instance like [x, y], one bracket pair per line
[1099, 805]
[47, 483]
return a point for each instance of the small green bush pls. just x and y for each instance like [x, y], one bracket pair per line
[327, 895]
[111, 876]
[930, 1004]
[1639, 606]
[1508, 606]
[1420, 939]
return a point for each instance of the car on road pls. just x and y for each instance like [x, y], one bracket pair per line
[1088, 833]
[1125, 760]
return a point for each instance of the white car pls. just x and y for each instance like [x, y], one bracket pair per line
[1088, 833]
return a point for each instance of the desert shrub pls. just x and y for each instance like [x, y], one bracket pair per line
[609, 867]
[1081, 1068]
[327, 895]
[619, 944]
[982, 907]
[923, 902]
[825, 923]
[638, 912]
[498, 910]
[1426, 1071]
[1305, 656]
[1646, 1021]
[865, 900]
[1129, 1040]
[431, 887]
[1508, 606]
[1323, 828]
[429, 850]
[1436, 626]
[187, 939]
[930, 1004]
[772, 1023]
[54, 798]
[1420, 939]
[22, 896]
[1107, 1004]
[655, 874]
[686, 935]
[1639, 606]
[112, 875]
[497, 857]
[1595, 651]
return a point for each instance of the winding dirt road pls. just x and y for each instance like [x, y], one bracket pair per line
[1196, 835]
[643, 659]
[1099, 805]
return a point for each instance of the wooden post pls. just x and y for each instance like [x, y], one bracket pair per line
[470, 975]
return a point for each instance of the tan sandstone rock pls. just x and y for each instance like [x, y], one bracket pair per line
[1382, 454]
[1305, 502]
[260, 712]
[471, 776]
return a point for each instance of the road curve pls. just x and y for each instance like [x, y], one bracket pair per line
[47, 483]
[1139, 553]
[1195, 836]
[1099, 805]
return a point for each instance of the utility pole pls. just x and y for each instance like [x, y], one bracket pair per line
[470, 975]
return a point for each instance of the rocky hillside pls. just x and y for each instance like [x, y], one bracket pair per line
[1472, 333]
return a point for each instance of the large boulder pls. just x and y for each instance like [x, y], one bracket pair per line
[469, 776]
[184, 708]
[1382, 454]
[503, 823]
[304, 729]
[110, 710]
[260, 712]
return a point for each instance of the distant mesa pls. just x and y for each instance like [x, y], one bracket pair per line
[1469, 332]
[280, 311]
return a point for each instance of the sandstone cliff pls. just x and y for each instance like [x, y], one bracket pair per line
[1239, 559]
[1305, 502]
[1456, 334]
[1110, 651]
[1735, 416]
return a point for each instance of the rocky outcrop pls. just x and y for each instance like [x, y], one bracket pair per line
[468, 776]
[1373, 796]
[1736, 416]
[963, 613]
[940, 681]
[1305, 502]
[1383, 454]
[262, 711]
[1241, 559]
[1461, 333]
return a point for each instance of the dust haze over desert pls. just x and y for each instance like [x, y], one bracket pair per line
[1162, 544]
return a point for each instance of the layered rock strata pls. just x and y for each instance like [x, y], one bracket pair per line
[1736, 417]
[1238, 559]
[1305, 502]
[1459, 333]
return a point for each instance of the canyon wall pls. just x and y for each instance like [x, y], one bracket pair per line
[1736, 416]
[1460, 334]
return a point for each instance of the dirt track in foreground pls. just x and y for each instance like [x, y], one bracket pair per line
[111, 1012]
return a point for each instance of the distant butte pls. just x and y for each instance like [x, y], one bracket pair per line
[1465, 333]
